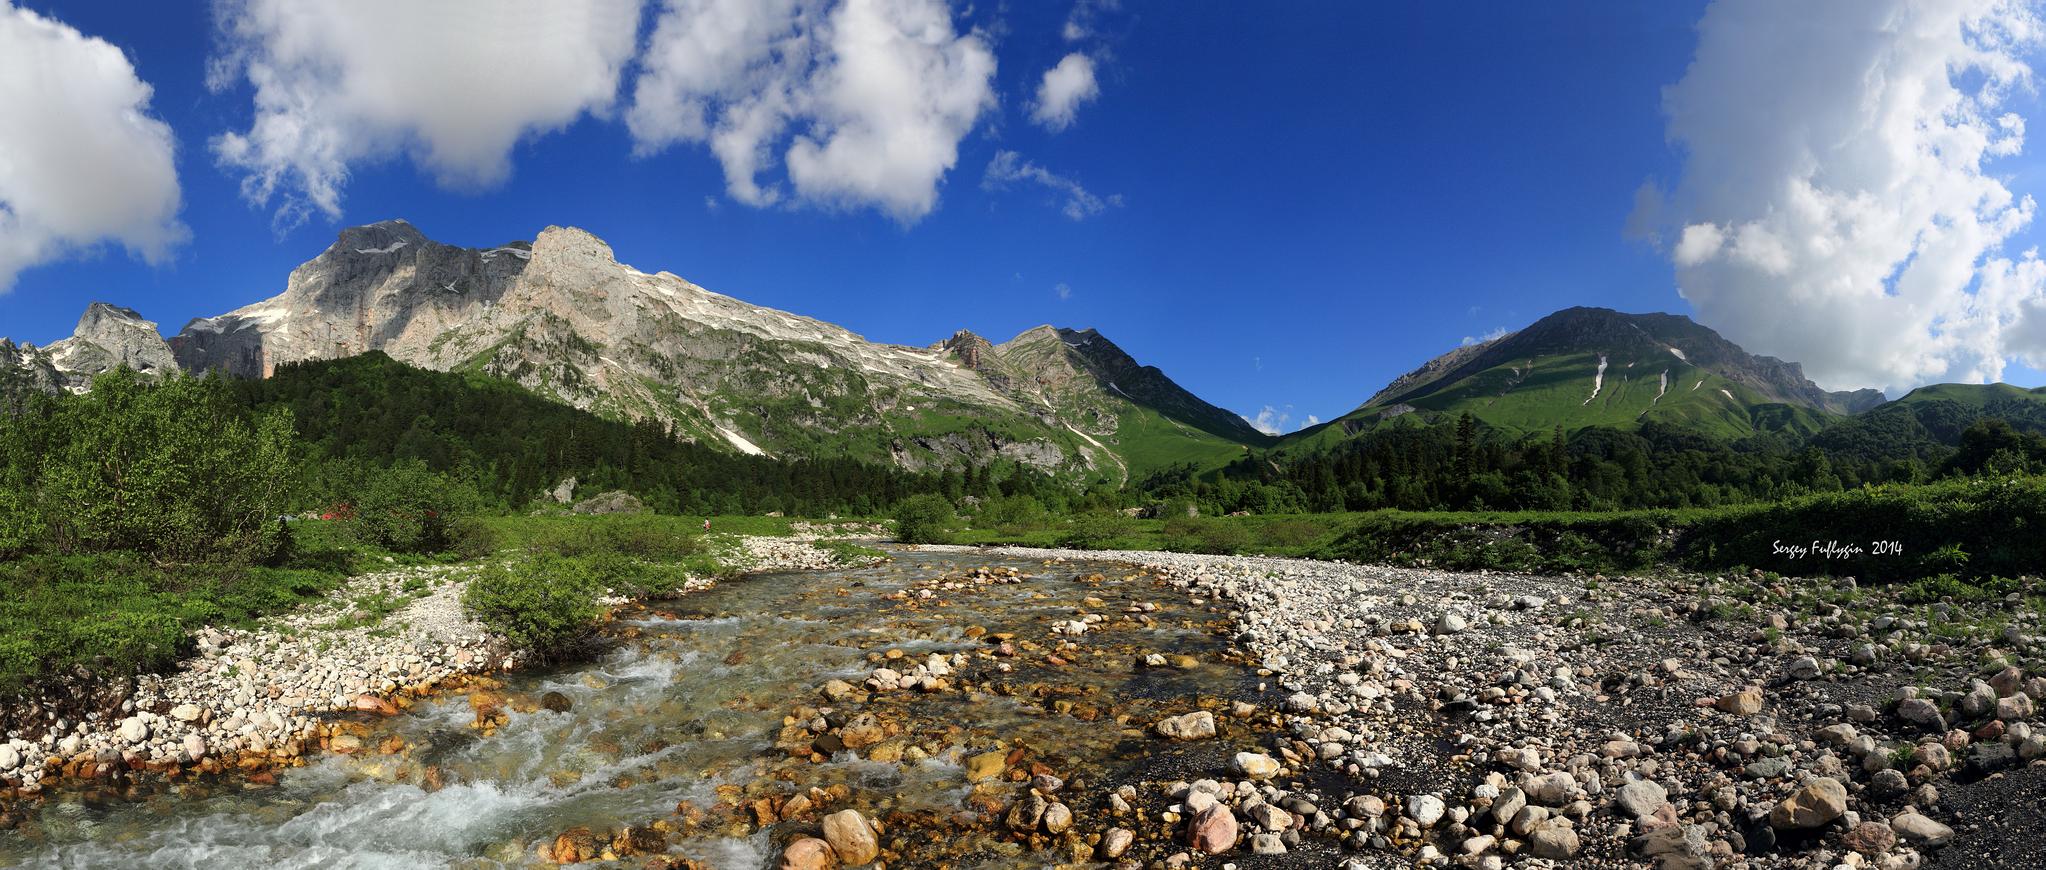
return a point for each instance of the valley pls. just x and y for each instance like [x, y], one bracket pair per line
[1017, 707]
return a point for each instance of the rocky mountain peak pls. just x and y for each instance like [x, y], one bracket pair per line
[110, 336]
[570, 244]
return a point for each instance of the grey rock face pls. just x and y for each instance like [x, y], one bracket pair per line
[560, 315]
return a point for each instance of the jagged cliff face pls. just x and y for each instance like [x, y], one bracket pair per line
[563, 317]
[27, 366]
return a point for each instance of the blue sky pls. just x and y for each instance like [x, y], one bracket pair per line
[1289, 208]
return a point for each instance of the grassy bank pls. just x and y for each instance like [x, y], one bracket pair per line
[1967, 531]
[123, 613]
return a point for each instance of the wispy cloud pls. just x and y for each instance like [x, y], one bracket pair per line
[1008, 167]
[1279, 420]
[1469, 340]
[1064, 291]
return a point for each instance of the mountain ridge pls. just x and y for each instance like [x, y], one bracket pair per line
[562, 316]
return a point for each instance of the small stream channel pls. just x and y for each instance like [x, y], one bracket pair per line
[687, 720]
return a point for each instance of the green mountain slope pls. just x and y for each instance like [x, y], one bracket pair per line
[1586, 367]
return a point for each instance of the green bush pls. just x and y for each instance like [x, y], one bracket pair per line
[924, 519]
[545, 605]
[644, 536]
[1529, 541]
[1210, 536]
[406, 508]
[1012, 514]
[1097, 531]
[1970, 528]
[169, 468]
[470, 539]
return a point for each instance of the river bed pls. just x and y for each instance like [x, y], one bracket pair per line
[701, 722]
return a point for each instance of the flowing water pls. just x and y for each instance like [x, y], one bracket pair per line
[684, 719]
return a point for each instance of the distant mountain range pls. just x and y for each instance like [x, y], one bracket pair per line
[562, 317]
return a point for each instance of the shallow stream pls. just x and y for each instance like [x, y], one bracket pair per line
[688, 718]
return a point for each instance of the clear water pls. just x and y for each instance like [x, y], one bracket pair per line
[691, 698]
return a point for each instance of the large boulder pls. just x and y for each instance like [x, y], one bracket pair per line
[613, 502]
[1821, 800]
[851, 837]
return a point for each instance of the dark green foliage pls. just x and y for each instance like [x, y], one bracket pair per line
[510, 445]
[1202, 535]
[545, 605]
[1974, 528]
[405, 508]
[470, 539]
[1097, 531]
[174, 469]
[924, 519]
[634, 535]
[1527, 542]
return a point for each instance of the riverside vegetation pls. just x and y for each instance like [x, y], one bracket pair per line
[147, 525]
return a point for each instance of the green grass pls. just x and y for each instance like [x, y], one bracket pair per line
[1275, 535]
[117, 614]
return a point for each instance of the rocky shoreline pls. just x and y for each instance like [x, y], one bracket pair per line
[262, 697]
[1483, 720]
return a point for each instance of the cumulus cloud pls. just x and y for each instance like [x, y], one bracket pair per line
[1008, 168]
[1278, 421]
[862, 102]
[454, 85]
[1063, 89]
[1837, 205]
[82, 162]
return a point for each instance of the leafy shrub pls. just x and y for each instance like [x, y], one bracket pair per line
[643, 536]
[924, 519]
[406, 508]
[1211, 536]
[1012, 514]
[1096, 531]
[470, 539]
[169, 468]
[544, 605]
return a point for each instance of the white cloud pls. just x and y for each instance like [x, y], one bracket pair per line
[81, 159]
[452, 84]
[1064, 88]
[1063, 290]
[1835, 207]
[1499, 332]
[1278, 421]
[1085, 19]
[1008, 167]
[878, 94]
